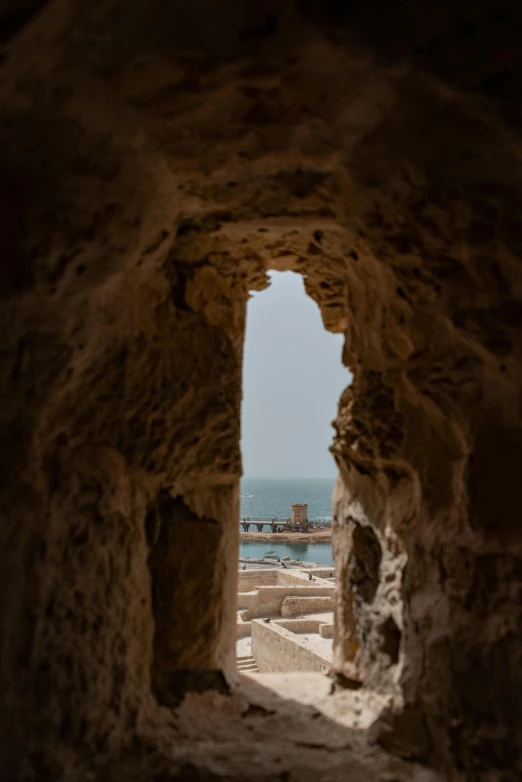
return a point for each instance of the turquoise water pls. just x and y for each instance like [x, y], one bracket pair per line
[316, 552]
[272, 497]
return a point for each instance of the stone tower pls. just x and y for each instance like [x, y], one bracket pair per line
[299, 514]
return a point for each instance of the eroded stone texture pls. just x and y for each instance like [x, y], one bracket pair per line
[370, 563]
[156, 160]
[181, 544]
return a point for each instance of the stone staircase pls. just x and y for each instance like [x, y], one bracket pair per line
[247, 665]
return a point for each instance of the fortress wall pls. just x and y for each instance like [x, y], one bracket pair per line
[277, 650]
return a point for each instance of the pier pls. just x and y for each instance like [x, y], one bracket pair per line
[274, 524]
[298, 522]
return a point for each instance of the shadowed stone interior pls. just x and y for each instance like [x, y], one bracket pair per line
[157, 159]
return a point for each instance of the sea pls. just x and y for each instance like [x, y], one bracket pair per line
[272, 497]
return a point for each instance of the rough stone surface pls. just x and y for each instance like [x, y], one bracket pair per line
[369, 608]
[156, 160]
[297, 606]
[290, 646]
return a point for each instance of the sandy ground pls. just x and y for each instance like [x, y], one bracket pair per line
[321, 536]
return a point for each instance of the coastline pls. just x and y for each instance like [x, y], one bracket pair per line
[321, 536]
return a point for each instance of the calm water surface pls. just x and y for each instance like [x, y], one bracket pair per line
[316, 552]
[268, 497]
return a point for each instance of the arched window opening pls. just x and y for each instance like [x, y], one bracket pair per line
[293, 378]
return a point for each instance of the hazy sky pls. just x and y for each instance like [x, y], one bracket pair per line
[293, 378]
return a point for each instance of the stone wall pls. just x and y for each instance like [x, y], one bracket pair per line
[298, 625]
[247, 599]
[244, 629]
[269, 599]
[322, 572]
[278, 650]
[291, 577]
[250, 579]
[326, 630]
[297, 606]
[156, 161]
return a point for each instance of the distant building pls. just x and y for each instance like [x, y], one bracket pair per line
[299, 514]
